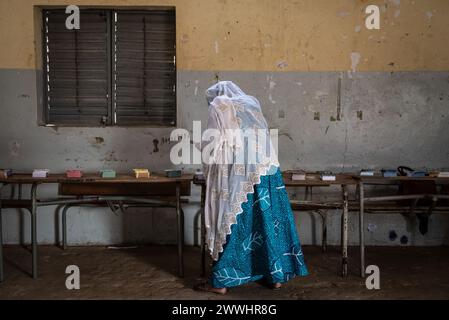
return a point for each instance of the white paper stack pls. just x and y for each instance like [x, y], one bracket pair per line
[367, 173]
[443, 174]
[40, 173]
[298, 176]
[328, 177]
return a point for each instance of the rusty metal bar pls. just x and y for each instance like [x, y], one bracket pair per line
[203, 231]
[413, 206]
[344, 231]
[323, 215]
[1, 236]
[180, 218]
[34, 229]
[399, 197]
[361, 230]
[105, 199]
[64, 226]
[432, 206]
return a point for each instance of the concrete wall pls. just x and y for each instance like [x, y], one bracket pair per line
[393, 92]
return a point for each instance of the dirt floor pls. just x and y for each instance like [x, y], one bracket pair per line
[150, 273]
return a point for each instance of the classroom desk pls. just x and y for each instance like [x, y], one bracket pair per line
[379, 180]
[342, 180]
[121, 188]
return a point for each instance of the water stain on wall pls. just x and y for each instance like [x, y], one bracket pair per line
[96, 142]
[14, 148]
[155, 144]
[99, 140]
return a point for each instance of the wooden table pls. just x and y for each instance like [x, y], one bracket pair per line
[313, 180]
[122, 188]
[379, 180]
[341, 179]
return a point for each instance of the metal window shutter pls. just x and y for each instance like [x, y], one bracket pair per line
[144, 71]
[76, 68]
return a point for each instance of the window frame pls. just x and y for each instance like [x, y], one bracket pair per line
[110, 117]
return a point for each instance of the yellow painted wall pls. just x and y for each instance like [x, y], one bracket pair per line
[271, 35]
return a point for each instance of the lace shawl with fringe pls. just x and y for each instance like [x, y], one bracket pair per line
[229, 183]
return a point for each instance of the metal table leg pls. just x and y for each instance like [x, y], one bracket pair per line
[64, 226]
[344, 232]
[323, 214]
[203, 231]
[34, 229]
[362, 230]
[180, 217]
[1, 237]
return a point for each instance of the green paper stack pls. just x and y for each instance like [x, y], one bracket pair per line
[108, 173]
[173, 173]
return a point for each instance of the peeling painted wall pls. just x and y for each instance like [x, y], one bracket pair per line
[342, 97]
[266, 35]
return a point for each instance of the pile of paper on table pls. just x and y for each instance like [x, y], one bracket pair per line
[328, 176]
[299, 175]
[389, 173]
[40, 173]
[5, 173]
[74, 173]
[173, 173]
[141, 173]
[108, 173]
[366, 173]
[417, 174]
[443, 174]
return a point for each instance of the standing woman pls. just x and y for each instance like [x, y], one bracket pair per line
[250, 229]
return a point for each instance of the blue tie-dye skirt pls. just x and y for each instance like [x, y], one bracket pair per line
[264, 242]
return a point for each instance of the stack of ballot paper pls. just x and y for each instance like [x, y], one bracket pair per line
[141, 173]
[173, 173]
[299, 176]
[443, 174]
[108, 173]
[388, 173]
[366, 173]
[74, 174]
[40, 173]
[5, 173]
[417, 174]
[328, 176]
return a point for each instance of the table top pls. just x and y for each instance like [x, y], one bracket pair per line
[314, 180]
[95, 178]
[353, 178]
[311, 179]
[398, 179]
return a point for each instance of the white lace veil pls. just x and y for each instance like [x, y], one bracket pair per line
[229, 182]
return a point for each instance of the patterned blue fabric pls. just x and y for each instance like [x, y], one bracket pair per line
[264, 242]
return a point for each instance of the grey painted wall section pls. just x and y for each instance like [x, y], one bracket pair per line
[386, 120]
